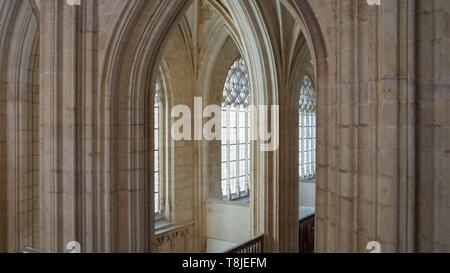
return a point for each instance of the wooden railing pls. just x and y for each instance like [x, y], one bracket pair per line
[306, 234]
[255, 245]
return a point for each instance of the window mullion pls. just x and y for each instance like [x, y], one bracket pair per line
[299, 142]
[228, 154]
[315, 141]
[246, 157]
[303, 143]
[307, 146]
[310, 143]
[238, 187]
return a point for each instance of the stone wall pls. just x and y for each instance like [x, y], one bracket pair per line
[433, 126]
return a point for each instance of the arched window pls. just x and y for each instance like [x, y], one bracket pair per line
[157, 139]
[307, 131]
[235, 133]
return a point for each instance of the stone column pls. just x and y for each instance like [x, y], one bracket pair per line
[90, 210]
[433, 126]
[57, 124]
[366, 123]
[393, 116]
[289, 180]
[289, 150]
[370, 160]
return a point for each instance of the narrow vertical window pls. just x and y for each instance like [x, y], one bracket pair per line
[157, 138]
[307, 131]
[235, 133]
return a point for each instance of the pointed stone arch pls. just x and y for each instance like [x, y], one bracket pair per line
[136, 48]
[19, 122]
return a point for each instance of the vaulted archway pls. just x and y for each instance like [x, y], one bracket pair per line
[135, 51]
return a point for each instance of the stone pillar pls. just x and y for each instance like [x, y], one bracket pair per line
[366, 191]
[289, 150]
[393, 118]
[366, 123]
[70, 205]
[289, 180]
[433, 122]
[90, 210]
[58, 125]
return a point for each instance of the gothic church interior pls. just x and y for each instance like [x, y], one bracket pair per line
[212, 126]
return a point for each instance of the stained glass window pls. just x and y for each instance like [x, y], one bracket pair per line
[307, 131]
[235, 133]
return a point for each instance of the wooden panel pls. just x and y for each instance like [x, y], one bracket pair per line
[306, 235]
